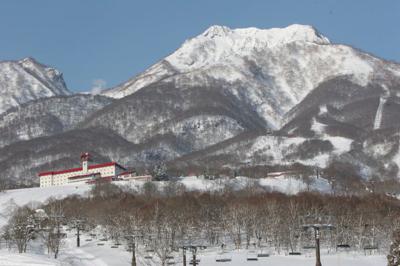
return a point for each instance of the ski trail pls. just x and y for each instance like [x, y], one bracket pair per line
[77, 256]
[379, 111]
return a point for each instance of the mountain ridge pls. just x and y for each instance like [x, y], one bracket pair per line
[227, 98]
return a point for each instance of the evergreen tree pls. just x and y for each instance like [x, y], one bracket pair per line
[159, 172]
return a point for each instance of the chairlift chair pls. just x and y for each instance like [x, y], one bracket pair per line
[170, 260]
[295, 253]
[370, 248]
[252, 256]
[191, 262]
[343, 246]
[262, 253]
[223, 257]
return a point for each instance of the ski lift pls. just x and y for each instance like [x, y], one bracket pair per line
[103, 239]
[114, 246]
[100, 244]
[370, 248]
[309, 247]
[89, 239]
[295, 253]
[252, 256]
[191, 262]
[343, 246]
[149, 254]
[223, 257]
[170, 260]
[262, 253]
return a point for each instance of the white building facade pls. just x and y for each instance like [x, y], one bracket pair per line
[86, 173]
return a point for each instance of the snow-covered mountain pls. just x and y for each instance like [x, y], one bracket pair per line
[25, 80]
[226, 98]
[272, 70]
[48, 116]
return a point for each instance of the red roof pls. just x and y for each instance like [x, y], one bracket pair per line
[127, 172]
[80, 169]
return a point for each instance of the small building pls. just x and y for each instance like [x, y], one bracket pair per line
[86, 173]
[132, 175]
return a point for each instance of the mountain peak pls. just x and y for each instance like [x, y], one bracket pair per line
[27, 79]
[28, 59]
[272, 36]
[216, 30]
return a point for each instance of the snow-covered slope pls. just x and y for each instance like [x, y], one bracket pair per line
[47, 116]
[271, 69]
[25, 80]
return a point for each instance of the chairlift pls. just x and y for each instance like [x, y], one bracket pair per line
[100, 244]
[191, 262]
[252, 256]
[371, 247]
[170, 260]
[103, 239]
[295, 253]
[114, 246]
[223, 257]
[309, 247]
[262, 253]
[149, 255]
[89, 239]
[343, 246]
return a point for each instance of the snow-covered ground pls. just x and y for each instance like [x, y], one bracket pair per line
[93, 254]
[15, 259]
[34, 196]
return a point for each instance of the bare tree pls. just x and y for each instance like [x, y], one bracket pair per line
[21, 228]
[52, 228]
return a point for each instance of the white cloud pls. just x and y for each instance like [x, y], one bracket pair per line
[97, 86]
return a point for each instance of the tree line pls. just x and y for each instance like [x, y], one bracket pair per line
[166, 218]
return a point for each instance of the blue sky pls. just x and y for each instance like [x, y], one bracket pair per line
[108, 41]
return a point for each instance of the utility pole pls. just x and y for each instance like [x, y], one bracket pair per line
[317, 247]
[184, 255]
[132, 244]
[78, 224]
[194, 248]
[317, 228]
